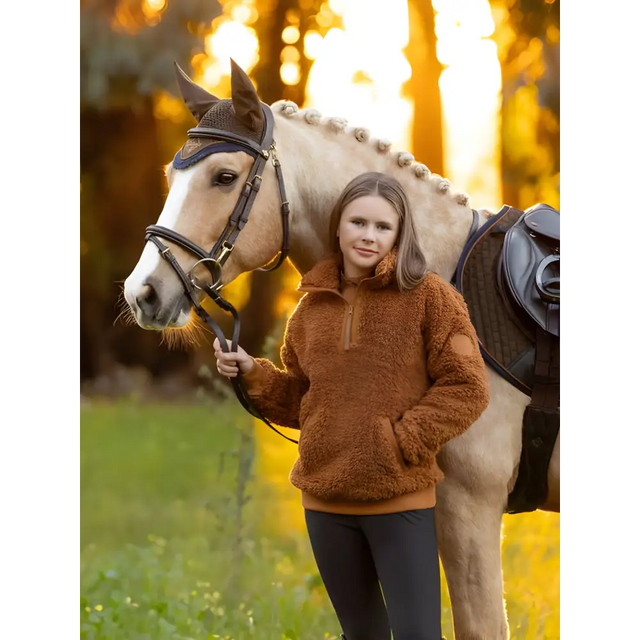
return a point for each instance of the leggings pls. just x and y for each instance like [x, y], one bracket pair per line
[356, 555]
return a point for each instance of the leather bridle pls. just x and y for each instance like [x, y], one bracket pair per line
[215, 259]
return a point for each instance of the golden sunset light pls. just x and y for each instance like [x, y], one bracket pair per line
[197, 519]
[359, 75]
[470, 86]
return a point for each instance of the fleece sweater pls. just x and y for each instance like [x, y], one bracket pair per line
[377, 381]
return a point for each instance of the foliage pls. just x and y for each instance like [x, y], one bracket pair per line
[127, 49]
[530, 47]
[159, 518]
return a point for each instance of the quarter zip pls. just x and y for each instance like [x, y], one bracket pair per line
[347, 333]
[350, 308]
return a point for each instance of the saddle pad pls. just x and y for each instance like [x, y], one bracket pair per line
[503, 344]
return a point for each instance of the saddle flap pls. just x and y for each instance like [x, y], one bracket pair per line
[541, 219]
[531, 272]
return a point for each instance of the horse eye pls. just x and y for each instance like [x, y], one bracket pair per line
[225, 178]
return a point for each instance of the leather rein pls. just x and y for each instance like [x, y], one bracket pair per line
[214, 260]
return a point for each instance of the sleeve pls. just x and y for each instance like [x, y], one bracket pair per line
[278, 392]
[460, 388]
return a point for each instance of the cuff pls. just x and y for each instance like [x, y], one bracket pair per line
[255, 379]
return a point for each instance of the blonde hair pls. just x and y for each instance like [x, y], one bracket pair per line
[411, 265]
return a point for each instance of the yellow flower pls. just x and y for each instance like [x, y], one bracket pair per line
[98, 607]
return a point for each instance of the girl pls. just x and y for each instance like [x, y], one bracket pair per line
[381, 369]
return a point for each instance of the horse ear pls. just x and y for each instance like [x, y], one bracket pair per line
[195, 97]
[246, 103]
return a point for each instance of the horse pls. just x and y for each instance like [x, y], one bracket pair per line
[318, 156]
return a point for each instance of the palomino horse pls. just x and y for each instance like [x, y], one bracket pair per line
[319, 156]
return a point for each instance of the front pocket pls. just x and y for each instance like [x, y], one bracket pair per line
[343, 459]
[392, 440]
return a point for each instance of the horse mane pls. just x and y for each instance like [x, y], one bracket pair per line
[381, 145]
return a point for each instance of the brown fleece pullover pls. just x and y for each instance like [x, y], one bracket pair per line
[377, 380]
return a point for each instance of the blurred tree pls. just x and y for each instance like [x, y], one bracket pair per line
[424, 87]
[528, 37]
[266, 73]
[302, 17]
[127, 50]
[128, 47]
[259, 316]
[541, 19]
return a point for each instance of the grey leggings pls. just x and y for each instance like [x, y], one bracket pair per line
[356, 555]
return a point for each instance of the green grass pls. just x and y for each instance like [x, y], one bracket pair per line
[163, 558]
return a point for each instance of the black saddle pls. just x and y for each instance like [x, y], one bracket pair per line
[529, 268]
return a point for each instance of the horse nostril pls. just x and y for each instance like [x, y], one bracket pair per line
[148, 300]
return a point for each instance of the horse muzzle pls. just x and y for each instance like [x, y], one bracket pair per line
[155, 309]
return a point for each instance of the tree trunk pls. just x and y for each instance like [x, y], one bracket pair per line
[121, 177]
[258, 317]
[269, 29]
[427, 139]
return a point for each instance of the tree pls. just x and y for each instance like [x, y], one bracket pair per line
[127, 51]
[126, 56]
[260, 312]
[528, 35]
[424, 86]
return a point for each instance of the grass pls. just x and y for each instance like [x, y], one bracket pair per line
[164, 556]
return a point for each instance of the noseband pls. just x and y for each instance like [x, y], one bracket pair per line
[214, 260]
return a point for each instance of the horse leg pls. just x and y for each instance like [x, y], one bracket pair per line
[478, 467]
[469, 540]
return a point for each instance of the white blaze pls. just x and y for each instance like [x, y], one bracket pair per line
[150, 257]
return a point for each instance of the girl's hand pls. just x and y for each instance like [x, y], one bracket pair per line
[229, 363]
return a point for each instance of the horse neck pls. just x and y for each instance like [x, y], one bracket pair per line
[318, 161]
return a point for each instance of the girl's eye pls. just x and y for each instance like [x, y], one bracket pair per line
[225, 178]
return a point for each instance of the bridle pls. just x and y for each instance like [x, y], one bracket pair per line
[215, 259]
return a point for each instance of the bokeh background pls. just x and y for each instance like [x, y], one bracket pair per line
[189, 527]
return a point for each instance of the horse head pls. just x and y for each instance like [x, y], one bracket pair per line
[205, 180]
[319, 156]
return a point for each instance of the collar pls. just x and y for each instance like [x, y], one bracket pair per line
[326, 273]
[356, 281]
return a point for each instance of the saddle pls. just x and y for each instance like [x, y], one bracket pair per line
[509, 275]
[531, 252]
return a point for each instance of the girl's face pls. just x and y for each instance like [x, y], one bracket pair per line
[368, 222]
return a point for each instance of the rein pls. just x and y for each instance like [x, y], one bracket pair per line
[214, 260]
